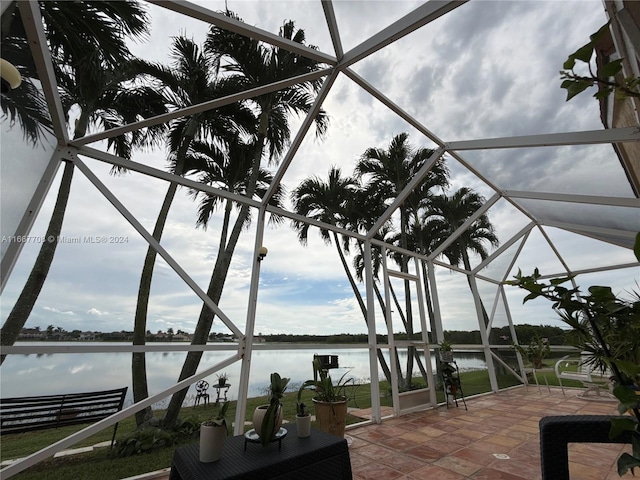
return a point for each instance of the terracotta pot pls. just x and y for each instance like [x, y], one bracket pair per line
[212, 439]
[258, 416]
[303, 425]
[331, 417]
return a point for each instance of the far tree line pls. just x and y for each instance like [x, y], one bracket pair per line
[499, 336]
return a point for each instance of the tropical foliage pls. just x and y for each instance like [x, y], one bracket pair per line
[608, 78]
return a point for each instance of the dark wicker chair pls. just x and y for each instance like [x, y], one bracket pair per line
[557, 432]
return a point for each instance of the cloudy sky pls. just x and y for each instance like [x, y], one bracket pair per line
[486, 69]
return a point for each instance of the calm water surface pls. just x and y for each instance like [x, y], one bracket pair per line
[27, 375]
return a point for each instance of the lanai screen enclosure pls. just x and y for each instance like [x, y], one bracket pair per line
[475, 83]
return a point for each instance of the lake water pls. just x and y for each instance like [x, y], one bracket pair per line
[28, 375]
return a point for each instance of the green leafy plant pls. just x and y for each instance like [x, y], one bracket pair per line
[219, 418]
[277, 388]
[222, 379]
[445, 345]
[300, 409]
[537, 350]
[606, 79]
[143, 440]
[323, 386]
[609, 328]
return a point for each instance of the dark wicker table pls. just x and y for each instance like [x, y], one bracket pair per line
[320, 456]
[557, 432]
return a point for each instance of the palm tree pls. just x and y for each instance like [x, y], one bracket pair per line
[230, 171]
[332, 202]
[447, 214]
[191, 78]
[389, 171]
[250, 64]
[97, 82]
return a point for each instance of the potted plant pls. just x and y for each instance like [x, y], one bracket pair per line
[267, 419]
[329, 400]
[446, 351]
[608, 327]
[213, 433]
[451, 382]
[222, 379]
[303, 418]
[537, 350]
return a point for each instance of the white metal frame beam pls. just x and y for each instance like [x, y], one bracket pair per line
[332, 24]
[406, 191]
[302, 131]
[610, 135]
[201, 13]
[201, 107]
[29, 217]
[32, 21]
[570, 198]
[419, 17]
[156, 246]
[462, 228]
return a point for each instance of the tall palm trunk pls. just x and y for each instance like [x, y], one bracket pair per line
[363, 308]
[138, 360]
[29, 295]
[218, 277]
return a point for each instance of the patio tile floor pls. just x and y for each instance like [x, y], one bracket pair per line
[496, 439]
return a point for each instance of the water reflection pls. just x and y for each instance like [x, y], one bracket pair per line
[29, 375]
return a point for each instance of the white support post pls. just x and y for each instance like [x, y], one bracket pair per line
[435, 301]
[431, 384]
[484, 334]
[376, 416]
[247, 341]
[514, 335]
[391, 340]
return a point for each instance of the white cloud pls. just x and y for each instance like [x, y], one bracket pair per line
[55, 310]
[95, 311]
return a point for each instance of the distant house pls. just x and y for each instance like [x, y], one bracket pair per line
[87, 337]
[32, 334]
[181, 337]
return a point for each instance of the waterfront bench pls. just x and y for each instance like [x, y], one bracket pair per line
[26, 414]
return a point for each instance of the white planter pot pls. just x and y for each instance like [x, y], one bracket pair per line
[211, 442]
[303, 425]
[258, 416]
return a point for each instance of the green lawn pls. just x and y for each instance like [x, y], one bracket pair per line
[100, 463]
